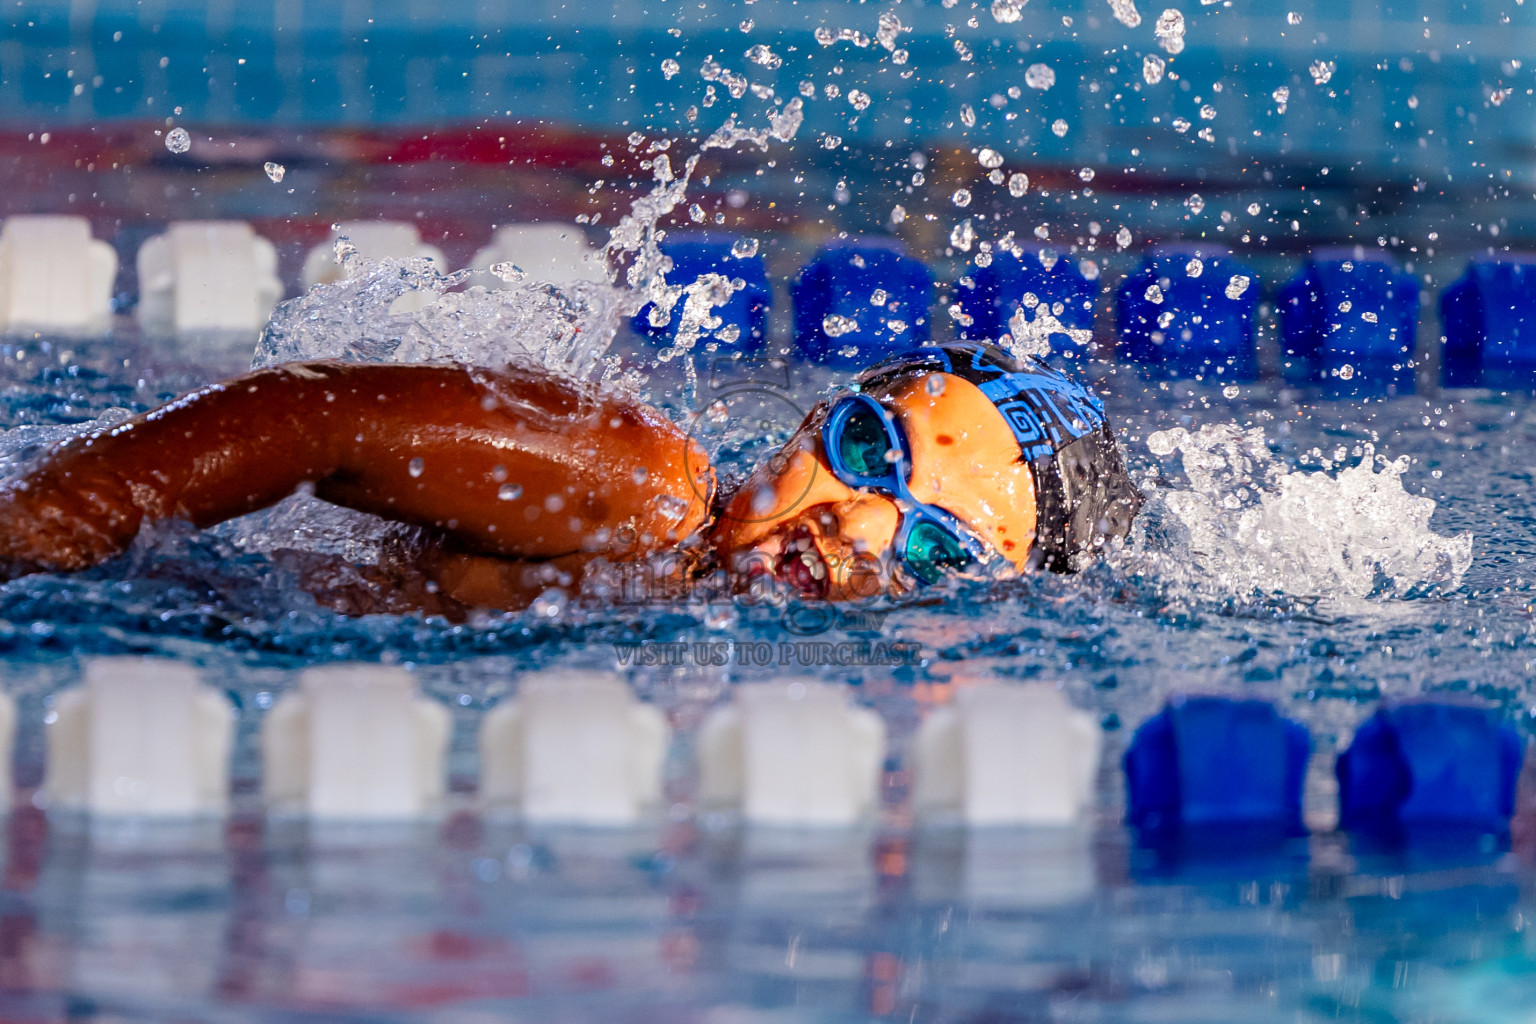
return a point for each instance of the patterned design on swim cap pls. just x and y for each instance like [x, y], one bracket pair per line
[1083, 494]
[1046, 410]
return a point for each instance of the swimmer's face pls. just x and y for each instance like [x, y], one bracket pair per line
[795, 519]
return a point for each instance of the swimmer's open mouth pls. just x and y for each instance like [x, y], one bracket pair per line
[801, 565]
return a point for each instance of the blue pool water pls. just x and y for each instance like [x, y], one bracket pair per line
[694, 918]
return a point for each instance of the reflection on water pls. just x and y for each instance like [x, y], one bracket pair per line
[469, 920]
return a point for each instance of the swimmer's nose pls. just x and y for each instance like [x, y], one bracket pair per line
[866, 524]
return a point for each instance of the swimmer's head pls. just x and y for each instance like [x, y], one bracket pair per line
[952, 458]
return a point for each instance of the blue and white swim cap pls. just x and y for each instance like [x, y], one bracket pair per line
[1083, 494]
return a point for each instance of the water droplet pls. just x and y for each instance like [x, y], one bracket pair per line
[1007, 12]
[509, 492]
[1163, 442]
[1208, 113]
[1195, 203]
[1253, 209]
[934, 385]
[1039, 76]
[1154, 294]
[859, 100]
[1346, 306]
[878, 297]
[961, 198]
[1346, 372]
[671, 506]
[898, 213]
[507, 271]
[1170, 30]
[1123, 238]
[670, 67]
[744, 248]
[1125, 12]
[963, 235]
[1281, 96]
[549, 604]
[831, 141]
[177, 140]
[1059, 128]
[1293, 17]
[1018, 184]
[835, 326]
[1194, 268]
[989, 158]
[275, 171]
[1322, 71]
[1237, 286]
[967, 115]
[1231, 391]
[415, 467]
[1152, 68]
[1369, 317]
[760, 54]
[1086, 174]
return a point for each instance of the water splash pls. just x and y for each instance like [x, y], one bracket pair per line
[564, 329]
[1244, 525]
[1031, 336]
[407, 311]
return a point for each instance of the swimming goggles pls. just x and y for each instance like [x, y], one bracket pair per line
[866, 448]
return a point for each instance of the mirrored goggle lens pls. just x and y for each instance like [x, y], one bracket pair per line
[932, 550]
[862, 444]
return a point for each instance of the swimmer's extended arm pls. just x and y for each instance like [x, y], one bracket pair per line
[517, 464]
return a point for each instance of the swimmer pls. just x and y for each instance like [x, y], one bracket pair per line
[957, 458]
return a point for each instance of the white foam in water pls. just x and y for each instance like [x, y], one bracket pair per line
[1246, 525]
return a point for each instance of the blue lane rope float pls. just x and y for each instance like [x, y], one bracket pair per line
[743, 318]
[859, 302]
[996, 292]
[1349, 322]
[1436, 765]
[1188, 311]
[1488, 317]
[1216, 761]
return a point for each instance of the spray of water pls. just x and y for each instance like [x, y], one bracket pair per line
[566, 329]
[1243, 525]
